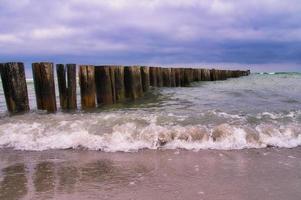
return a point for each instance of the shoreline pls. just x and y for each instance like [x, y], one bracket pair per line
[269, 173]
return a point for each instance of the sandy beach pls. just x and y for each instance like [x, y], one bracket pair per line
[151, 174]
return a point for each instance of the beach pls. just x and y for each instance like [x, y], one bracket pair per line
[233, 139]
[270, 173]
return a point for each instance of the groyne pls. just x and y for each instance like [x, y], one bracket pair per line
[99, 85]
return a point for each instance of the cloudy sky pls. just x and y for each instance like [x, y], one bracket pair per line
[260, 34]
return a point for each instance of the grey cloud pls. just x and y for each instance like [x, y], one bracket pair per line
[149, 31]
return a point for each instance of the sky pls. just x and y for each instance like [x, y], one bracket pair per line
[263, 35]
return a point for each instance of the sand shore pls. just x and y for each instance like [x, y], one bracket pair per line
[163, 174]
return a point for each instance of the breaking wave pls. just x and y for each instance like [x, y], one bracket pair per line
[130, 131]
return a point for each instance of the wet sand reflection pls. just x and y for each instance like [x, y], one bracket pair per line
[249, 174]
[14, 183]
[57, 178]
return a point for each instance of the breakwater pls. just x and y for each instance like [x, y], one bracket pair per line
[99, 85]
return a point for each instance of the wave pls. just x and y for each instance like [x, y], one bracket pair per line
[278, 73]
[110, 133]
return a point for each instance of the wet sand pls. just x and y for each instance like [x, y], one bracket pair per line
[162, 174]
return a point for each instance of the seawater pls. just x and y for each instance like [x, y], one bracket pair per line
[257, 111]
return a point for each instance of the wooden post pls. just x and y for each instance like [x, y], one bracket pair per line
[199, 74]
[112, 75]
[61, 78]
[44, 86]
[227, 74]
[87, 86]
[166, 77]
[213, 75]
[14, 87]
[173, 77]
[133, 83]
[206, 75]
[195, 74]
[153, 76]
[178, 77]
[218, 75]
[187, 77]
[67, 90]
[71, 84]
[191, 74]
[145, 78]
[119, 83]
[159, 77]
[182, 75]
[224, 74]
[105, 85]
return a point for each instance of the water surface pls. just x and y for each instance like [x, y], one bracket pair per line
[257, 111]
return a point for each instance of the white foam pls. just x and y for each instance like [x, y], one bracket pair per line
[117, 132]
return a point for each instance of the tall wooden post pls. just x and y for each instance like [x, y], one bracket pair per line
[166, 72]
[105, 85]
[178, 77]
[195, 74]
[119, 83]
[133, 83]
[213, 75]
[159, 77]
[173, 77]
[145, 78]
[44, 86]
[186, 77]
[61, 78]
[206, 75]
[67, 89]
[87, 86]
[153, 76]
[199, 74]
[15, 87]
[71, 83]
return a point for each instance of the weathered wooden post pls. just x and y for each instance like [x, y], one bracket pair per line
[178, 77]
[132, 82]
[159, 77]
[61, 78]
[224, 74]
[44, 86]
[195, 74]
[166, 72]
[105, 85]
[119, 83]
[145, 78]
[227, 74]
[173, 77]
[213, 75]
[71, 83]
[191, 75]
[67, 89]
[182, 76]
[206, 75]
[219, 75]
[87, 86]
[153, 76]
[14, 87]
[112, 75]
[186, 76]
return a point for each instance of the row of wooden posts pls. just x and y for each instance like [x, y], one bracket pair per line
[99, 85]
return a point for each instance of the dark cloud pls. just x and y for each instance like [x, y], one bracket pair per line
[152, 31]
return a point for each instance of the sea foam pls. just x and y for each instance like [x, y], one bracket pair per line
[128, 132]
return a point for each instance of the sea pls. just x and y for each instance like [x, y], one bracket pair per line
[232, 139]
